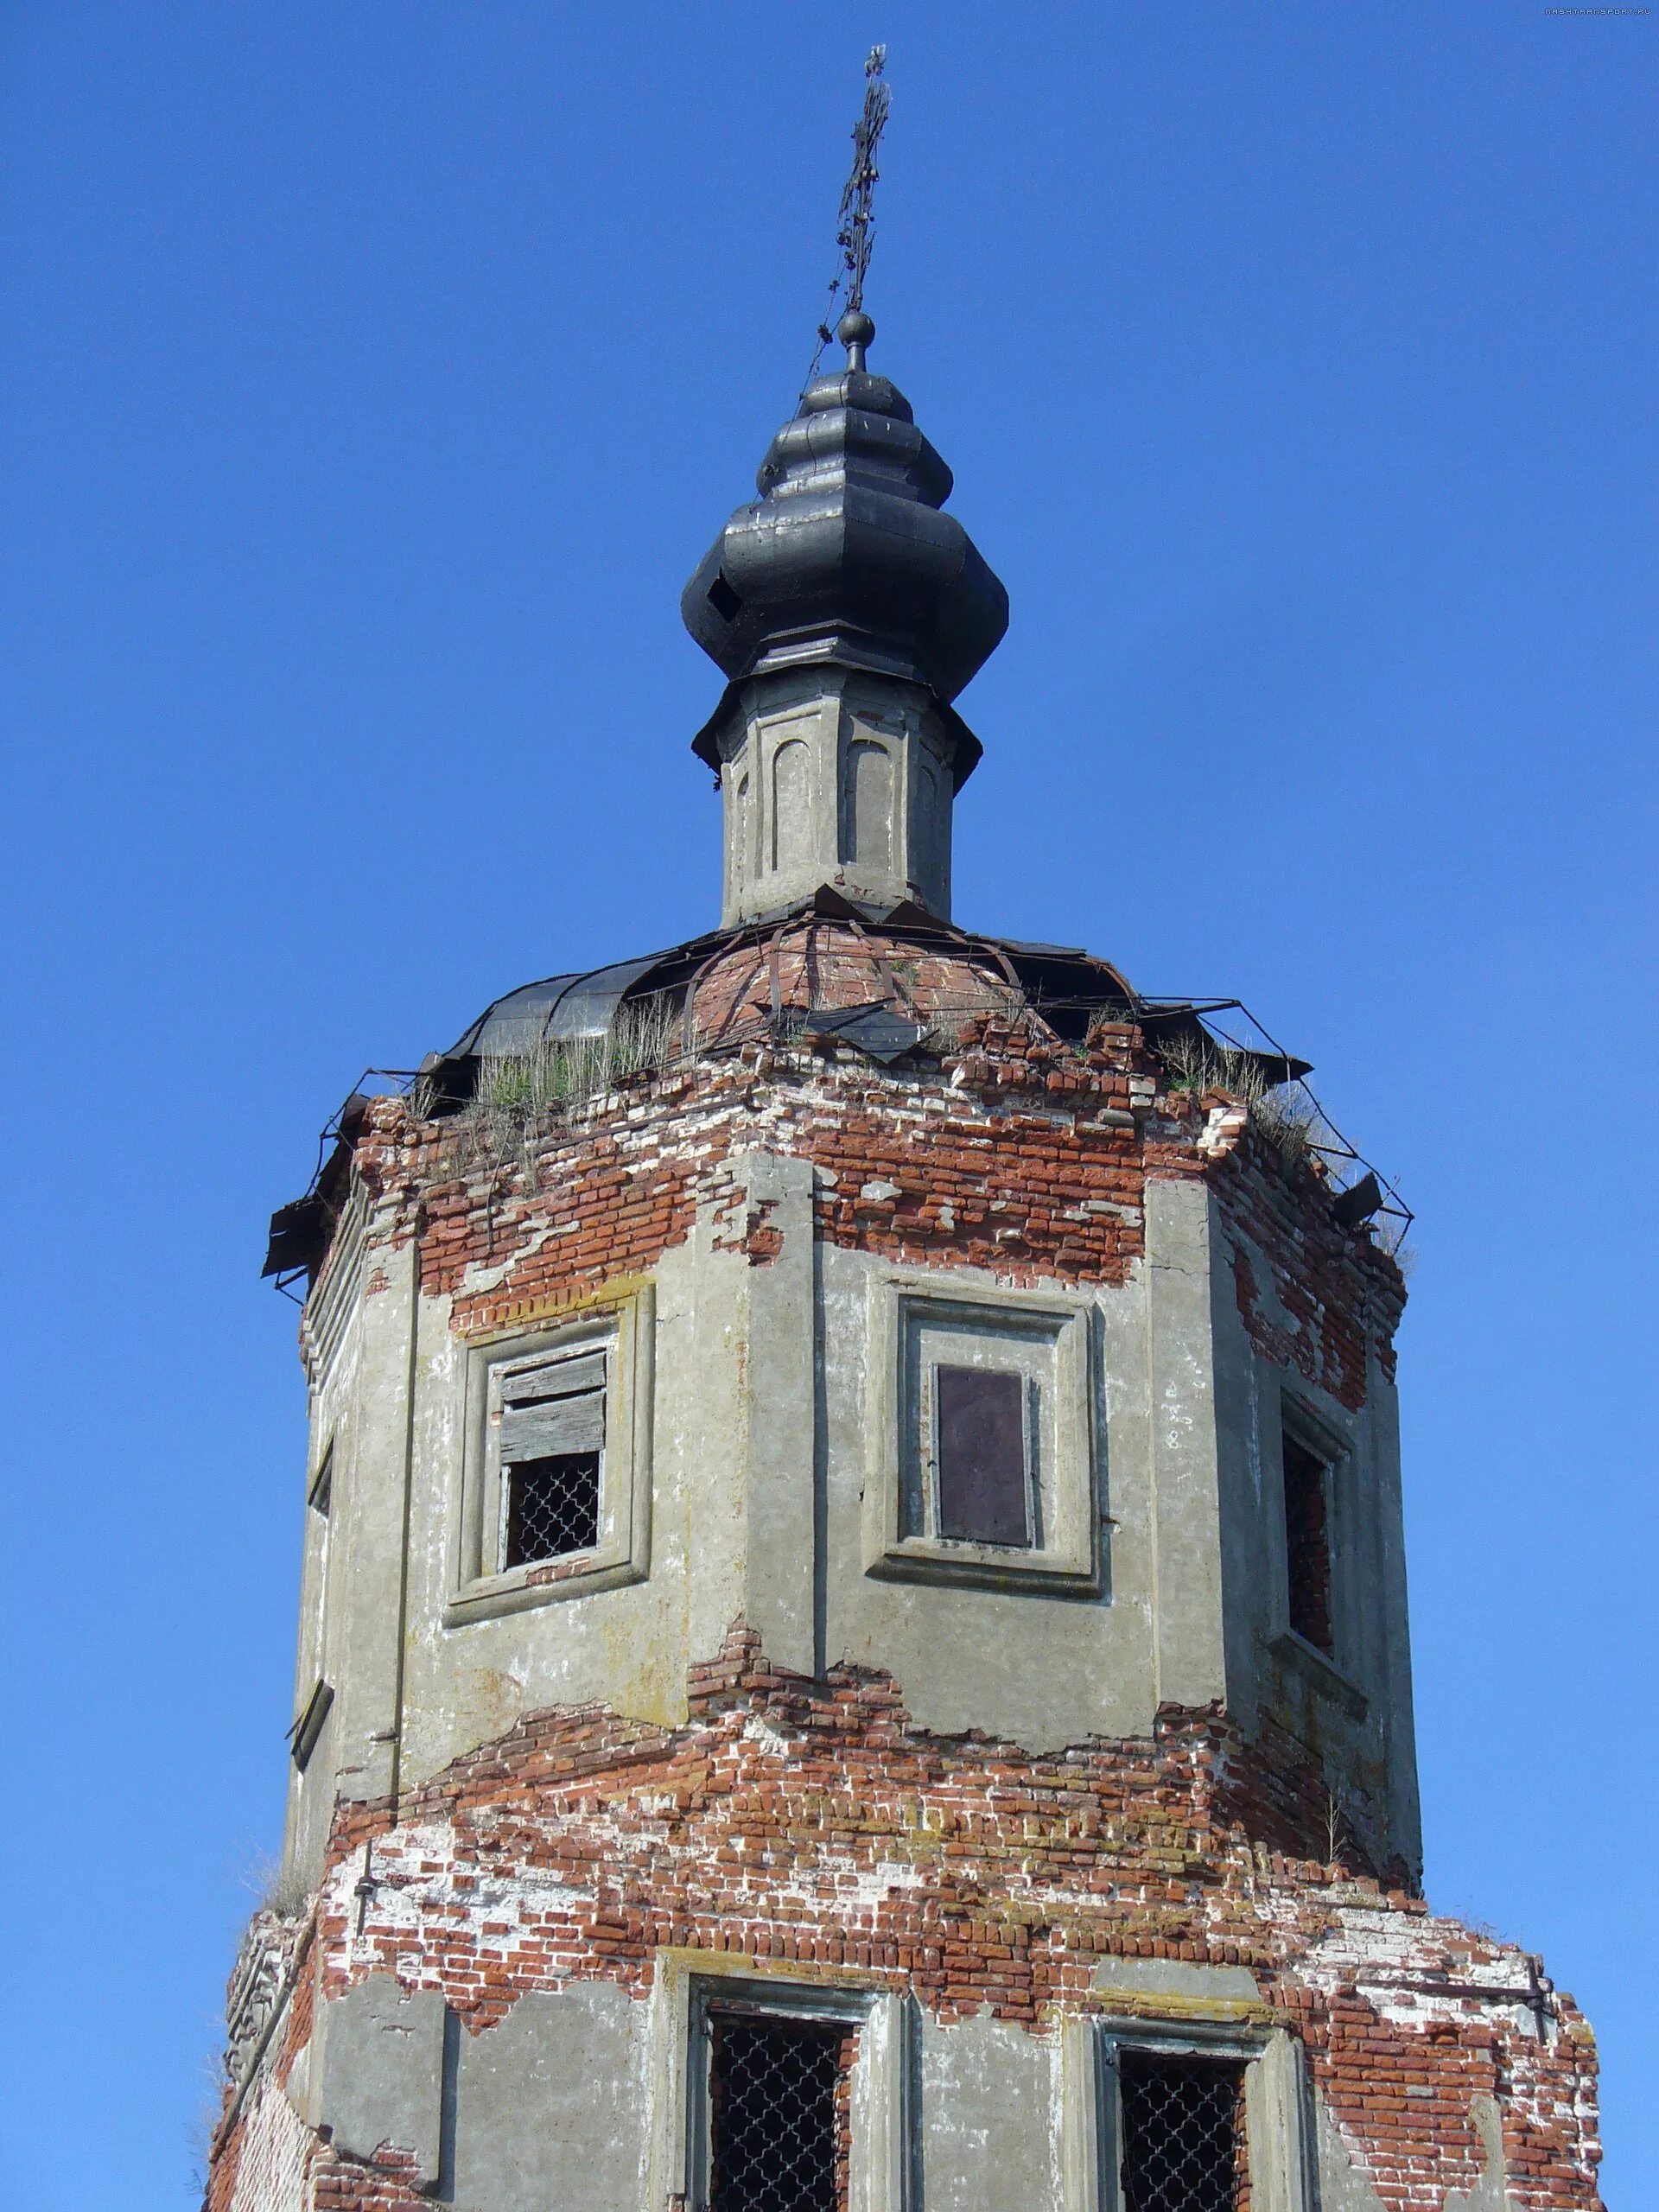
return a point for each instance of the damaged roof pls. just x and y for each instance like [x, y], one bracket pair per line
[1067, 986]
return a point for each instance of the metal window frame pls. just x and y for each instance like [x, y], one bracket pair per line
[496, 1467]
[504, 1518]
[1222, 2049]
[565, 1348]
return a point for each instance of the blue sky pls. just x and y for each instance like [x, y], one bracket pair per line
[376, 375]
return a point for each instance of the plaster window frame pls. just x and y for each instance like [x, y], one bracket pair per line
[921, 1318]
[691, 1986]
[1279, 2129]
[319, 1543]
[623, 1329]
[306, 1728]
[1327, 1672]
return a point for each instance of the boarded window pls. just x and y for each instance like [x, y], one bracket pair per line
[1183, 2133]
[1308, 1543]
[778, 2113]
[984, 1477]
[552, 1454]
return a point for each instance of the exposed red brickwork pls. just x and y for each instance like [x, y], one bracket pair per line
[836, 1837]
[819, 964]
[389, 2184]
[676, 1833]
[1004, 1148]
[750, 1231]
[1337, 1298]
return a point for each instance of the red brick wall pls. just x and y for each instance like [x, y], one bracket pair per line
[839, 1837]
[1011, 1151]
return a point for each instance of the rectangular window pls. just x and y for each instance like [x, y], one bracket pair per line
[552, 1449]
[779, 2109]
[982, 1455]
[982, 1415]
[1307, 1543]
[555, 1495]
[1182, 2140]
[306, 1727]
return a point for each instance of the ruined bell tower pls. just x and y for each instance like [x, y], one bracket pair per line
[854, 1650]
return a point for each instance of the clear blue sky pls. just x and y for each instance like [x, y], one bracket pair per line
[376, 374]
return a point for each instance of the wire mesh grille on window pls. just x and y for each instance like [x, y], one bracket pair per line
[779, 2115]
[1183, 2134]
[552, 1507]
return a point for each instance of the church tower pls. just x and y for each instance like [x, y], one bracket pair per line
[852, 1653]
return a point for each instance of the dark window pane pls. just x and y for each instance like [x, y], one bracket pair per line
[984, 1493]
[1183, 2133]
[552, 1507]
[1307, 1544]
[777, 2109]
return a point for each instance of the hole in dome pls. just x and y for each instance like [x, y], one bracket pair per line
[724, 600]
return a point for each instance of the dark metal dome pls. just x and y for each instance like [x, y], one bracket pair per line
[845, 557]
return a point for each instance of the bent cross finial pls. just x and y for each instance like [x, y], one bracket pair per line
[855, 220]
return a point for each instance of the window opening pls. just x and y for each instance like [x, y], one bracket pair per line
[779, 2114]
[724, 600]
[1308, 1543]
[982, 1456]
[322, 1483]
[552, 1455]
[552, 1508]
[1183, 2144]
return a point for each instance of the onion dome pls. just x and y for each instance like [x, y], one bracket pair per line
[845, 557]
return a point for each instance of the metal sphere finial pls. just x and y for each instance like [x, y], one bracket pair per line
[855, 331]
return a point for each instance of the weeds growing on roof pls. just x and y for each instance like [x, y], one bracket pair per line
[1286, 1113]
[520, 1093]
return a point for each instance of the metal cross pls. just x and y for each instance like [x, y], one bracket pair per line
[855, 219]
